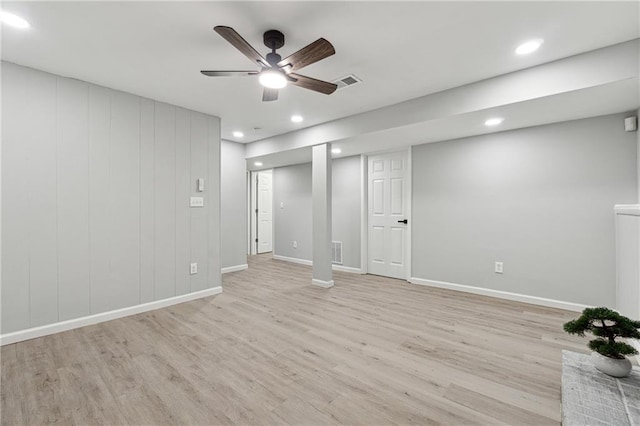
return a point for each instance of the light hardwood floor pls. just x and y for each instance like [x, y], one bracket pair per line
[272, 349]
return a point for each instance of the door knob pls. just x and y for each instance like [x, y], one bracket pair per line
[403, 221]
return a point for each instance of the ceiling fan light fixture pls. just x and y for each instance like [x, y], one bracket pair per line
[273, 79]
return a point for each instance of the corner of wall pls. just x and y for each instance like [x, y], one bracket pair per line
[638, 155]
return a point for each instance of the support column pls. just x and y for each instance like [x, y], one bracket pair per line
[321, 215]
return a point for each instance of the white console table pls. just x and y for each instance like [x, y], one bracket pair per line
[590, 397]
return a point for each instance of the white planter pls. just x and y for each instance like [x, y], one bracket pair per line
[611, 366]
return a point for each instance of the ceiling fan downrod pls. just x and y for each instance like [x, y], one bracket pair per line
[274, 40]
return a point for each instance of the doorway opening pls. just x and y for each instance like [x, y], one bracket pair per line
[261, 212]
[387, 241]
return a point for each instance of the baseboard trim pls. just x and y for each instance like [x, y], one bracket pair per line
[32, 333]
[348, 269]
[310, 263]
[234, 268]
[293, 260]
[321, 283]
[517, 297]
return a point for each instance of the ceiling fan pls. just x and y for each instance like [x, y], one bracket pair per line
[276, 72]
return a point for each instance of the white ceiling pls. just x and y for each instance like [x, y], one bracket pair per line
[399, 50]
[572, 105]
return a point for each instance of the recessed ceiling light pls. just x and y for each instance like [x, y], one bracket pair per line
[529, 46]
[493, 121]
[257, 163]
[336, 150]
[13, 20]
[297, 118]
[238, 134]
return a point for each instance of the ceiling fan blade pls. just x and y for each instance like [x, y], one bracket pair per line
[308, 55]
[241, 44]
[313, 84]
[269, 95]
[228, 73]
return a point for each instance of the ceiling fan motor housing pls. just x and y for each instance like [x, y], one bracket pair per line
[273, 39]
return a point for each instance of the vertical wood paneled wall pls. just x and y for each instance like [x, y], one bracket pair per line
[95, 199]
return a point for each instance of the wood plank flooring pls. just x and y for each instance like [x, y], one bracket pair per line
[272, 349]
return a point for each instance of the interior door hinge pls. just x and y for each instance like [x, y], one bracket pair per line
[256, 240]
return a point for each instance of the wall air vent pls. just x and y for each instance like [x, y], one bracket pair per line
[336, 252]
[347, 81]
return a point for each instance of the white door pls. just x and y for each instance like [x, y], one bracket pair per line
[264, 214]
[388, 201]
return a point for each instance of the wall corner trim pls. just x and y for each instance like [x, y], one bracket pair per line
[516, 297]
[58, 327]
[323, 284]
[234, 268]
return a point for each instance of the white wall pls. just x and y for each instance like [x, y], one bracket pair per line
[346, 218]
[233, 204]
[292, 186]
[538, 199]
[95, 197]
[292, 221]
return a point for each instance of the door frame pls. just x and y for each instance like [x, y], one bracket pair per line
[252, 193]
[364, 209]
[248, 193]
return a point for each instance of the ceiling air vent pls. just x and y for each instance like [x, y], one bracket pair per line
[347, 81]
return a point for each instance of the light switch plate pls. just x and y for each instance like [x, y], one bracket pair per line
[201, 185]
[197, 202]
[194, 268]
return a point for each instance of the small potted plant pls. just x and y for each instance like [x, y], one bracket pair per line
[608, 355]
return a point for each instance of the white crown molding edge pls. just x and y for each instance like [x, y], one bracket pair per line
[627, 209]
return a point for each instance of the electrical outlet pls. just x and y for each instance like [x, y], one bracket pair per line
[196, 202]
[194, 268]
[295, 244]
[499, 268]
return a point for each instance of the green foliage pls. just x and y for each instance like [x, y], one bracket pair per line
[617, 350]
[606, 325]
